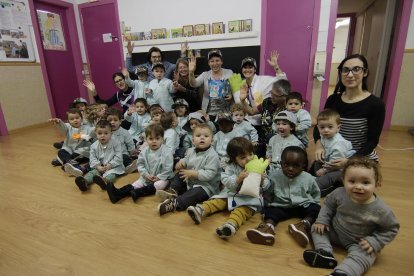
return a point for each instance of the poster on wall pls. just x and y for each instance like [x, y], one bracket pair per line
[51, 31]
[15, 37]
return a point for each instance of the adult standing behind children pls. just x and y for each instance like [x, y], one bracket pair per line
[217, 94]
[182, 87]
[154, 55]
[362, 115]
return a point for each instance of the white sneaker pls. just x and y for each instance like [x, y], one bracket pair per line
[131, 167]
[226, 231]
[72, 170]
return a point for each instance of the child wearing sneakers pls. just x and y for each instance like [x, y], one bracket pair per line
[245, 127]
[293, 193]
[77, 135]
[222, 138]
[353, 217]
[335, 147]
[155, 166]
[105, 159]
[241, 207]
[294, 104]
[285, 125]
[139, 118]
[161, 89]
[114, 117]
[198, 177]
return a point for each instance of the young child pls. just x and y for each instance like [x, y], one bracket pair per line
[198, 177]
[139, 118]
[241, 207]
[285, 124]
[155, 111]
[105, 159]
[293, 193]
[294, 104]
[353, 217]
[194, 119]
[77, 135]
[171, 137]
[114, 117]
[222, 138]
[155, 166]
[180, 108]
[245, 127]
[140, 85]
[160, 88]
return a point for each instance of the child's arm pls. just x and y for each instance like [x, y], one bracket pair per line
[231, 179]
[304, 122]
[129, 142]
[328, 210]
[117, 159]
[167, 167]
[180, 164]
[254, 137]
[141, 165]
[170, 142]
[210, 170]
[93, 160]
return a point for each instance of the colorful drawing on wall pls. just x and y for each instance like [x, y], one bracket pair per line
[188, 30]
[247, 25]
[176, 32]
[200, 29]
[51, 31]
[159, 33]
[218, 27]
[235, 26]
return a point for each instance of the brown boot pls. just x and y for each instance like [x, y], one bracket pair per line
[299, 232]
[263, 234]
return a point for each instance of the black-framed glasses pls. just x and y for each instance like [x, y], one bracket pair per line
[355, 70]
[118, 81]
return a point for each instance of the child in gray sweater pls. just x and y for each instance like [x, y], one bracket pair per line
[353, 217]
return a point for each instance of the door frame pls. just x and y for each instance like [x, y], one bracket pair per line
[118, 27]
[74, 42]
[395, 61]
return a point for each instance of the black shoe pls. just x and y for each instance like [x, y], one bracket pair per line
[112, 193]
[81, 183]
[335, 273]
[58, 145]
[55, 162]
[100, 181]
[319, 258]
[135, 194]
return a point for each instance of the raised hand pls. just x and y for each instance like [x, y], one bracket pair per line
[125, 73]
[244, 91]
[91, 86]
[54, 120]
[130, 47]
[192, 64]
[184, 47]
[273, 61]
[131, 110]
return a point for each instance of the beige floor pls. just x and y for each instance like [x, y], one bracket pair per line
[48, 227]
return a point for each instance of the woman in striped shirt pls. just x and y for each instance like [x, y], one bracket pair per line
[362, 116]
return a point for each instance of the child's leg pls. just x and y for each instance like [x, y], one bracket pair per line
[206, 208]
[182, 202]
[326, 182]
[110, 178]
[139, 183]
[177, 187]
[143, 189]
[237, 217]
[357, 262]
[115, 194]
[161, 184]
[63, 156]
[84, 181]
[300, 231]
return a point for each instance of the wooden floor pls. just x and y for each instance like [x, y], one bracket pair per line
[48, 227]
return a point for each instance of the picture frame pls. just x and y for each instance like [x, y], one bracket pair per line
[217, 28]
[51, 31]
[207, 29]
[235, 26]
[247, 25]
[177, 32]
[158, 33]
[188, 30]
[199, 29]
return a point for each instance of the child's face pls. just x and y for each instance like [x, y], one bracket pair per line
[215, 64]
[74, 120]
[81, 107]
[283, 128]
[103, 134]
[225, 126]
[293, 105]
[158, 73]
[360, 184]
[181, 110]
[244, 158]
[202, 138]
[238, 116]
[142, 77]
[114, 121]
[140, 108]
[193, 124]
[292, 164]
[248, 71]
[328, 128]
[277, 97]
[154, 142]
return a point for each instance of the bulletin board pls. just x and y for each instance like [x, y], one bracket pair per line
[16, 42]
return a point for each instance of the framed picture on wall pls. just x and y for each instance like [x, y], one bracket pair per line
[218, 28]
[51, 31]
[247, 25]
[158, 33]
[176, 32]
[235, 26]
[200, 29]
[188, 30]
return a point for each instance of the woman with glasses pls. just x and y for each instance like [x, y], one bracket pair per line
[362, 117]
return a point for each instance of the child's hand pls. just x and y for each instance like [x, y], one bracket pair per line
[100, 169]
[321, 228]
[241, 177]
[180, 165]
[188, 174]
[147, 91]
[131, 110]
[55, 120]
[366, 246]
[320, 172]
[151, 178]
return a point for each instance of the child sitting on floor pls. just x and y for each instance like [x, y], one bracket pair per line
[155, 166]
[353, 217]
[245, 127]
[105, 159]
[198, 177]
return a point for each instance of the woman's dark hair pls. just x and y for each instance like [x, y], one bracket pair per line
[118, 74]
[340, 87]
[238, 146]
[299, 151]
[154, 49]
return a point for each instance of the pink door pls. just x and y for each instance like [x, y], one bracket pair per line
[103, 41]
[291, 27]
[62, 69]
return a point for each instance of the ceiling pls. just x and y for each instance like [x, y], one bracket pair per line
[353, 6]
